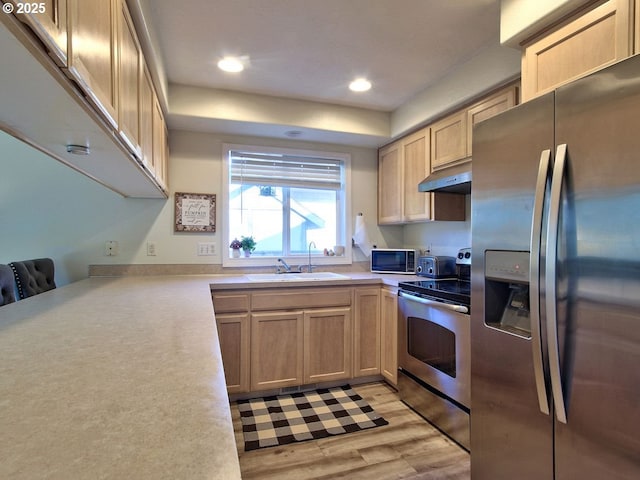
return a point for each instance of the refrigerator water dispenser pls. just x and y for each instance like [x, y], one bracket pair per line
[507, 292]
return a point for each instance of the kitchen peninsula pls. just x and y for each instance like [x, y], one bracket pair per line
[115, 378]
[122, 377]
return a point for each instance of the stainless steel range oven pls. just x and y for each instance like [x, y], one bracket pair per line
[434, 349]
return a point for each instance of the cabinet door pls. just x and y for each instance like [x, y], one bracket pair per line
[366, 332]
[276, 349]
[636, 26]
[498, 103]
[389, 335]
[129, 75]
[233, 335]
[416, 153]
[390, 184]
[582, 45]
[92, 59]
[48, 20]
[160, 145]
[146, 120]
[327, 344]
[449, 140]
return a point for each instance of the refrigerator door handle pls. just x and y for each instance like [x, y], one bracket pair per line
[534, 280]
[550, 282]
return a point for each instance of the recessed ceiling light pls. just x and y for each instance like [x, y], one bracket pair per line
[360, 85]
[231, 64]
[78, 149]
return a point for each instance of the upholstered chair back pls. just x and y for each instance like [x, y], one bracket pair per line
[7, 285]
[33, 276]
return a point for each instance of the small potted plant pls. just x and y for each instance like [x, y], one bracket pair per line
[235, 247]
[248, 245]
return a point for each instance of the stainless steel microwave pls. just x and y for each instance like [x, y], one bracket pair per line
[393, 260]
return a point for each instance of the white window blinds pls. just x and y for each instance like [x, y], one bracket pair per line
[285, 170]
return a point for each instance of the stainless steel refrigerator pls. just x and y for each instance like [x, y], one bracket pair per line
[555, 317]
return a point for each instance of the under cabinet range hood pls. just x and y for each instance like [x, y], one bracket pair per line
[456, 179]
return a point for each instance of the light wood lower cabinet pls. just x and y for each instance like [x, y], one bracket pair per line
[233, 335]
[276, 349]
[327, 345]
[366, 331]
[389, 334]
[277, 338]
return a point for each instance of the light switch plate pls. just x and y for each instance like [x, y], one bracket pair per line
[206, 249]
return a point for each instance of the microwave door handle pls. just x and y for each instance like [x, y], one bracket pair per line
[435, 303]
[550, 282]
[534, 281]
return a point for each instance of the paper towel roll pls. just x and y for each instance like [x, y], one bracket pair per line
[360, 236]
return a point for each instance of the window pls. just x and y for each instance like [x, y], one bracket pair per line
[286, 199]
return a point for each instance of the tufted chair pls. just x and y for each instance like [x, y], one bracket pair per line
[33, 276]
[7, 285]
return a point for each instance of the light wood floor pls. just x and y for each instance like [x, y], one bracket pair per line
[407, 448]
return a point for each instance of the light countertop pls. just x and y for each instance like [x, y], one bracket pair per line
[230, 282]
[121, 377]
[115, 378]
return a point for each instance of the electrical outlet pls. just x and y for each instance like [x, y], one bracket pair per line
[111, 248]
[206, 249]
[151, 249]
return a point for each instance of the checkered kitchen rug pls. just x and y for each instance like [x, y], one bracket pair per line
[282, 419]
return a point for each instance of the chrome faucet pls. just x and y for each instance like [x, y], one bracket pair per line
[286, 266]
[310, 267]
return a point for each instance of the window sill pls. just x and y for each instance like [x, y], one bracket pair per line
[294, 262]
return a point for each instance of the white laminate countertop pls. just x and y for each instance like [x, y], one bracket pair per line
[231, 282]
[114, 378]
[121, 377]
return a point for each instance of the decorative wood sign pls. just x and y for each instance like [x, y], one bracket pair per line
[195, 212]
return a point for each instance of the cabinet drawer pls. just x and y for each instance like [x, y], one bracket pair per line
[230, 302]
[285, 299]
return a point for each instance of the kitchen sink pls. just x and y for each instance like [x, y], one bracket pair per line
[295, 277]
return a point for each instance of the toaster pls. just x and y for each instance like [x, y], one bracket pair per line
[436, 266]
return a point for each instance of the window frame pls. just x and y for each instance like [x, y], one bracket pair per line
[294, 260]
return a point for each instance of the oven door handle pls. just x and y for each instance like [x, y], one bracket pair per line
[434, 303]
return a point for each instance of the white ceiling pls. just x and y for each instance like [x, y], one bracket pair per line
[312, 49]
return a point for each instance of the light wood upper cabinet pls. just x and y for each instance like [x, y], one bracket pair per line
[495, 104]
[390, 184]
[147, 105]
[449, 140]
[92, 59]
[389, 334]
[129, 74]
[48, 20]
[366, 332]
[586, 42]
[327, 345]
[416, 166]
[160, 145]
[402, 165]
[233, 336]
[636, 26]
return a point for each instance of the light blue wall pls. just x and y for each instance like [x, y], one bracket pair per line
[49, 210]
